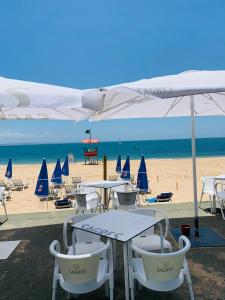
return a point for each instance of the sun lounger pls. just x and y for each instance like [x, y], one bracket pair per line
[18, 185]
[164, 197]
[65, 203]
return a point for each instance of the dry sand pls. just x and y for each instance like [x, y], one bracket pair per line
[165, 175]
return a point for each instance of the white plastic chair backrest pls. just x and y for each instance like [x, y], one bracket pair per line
[164, 266]
[78, 269]
[208, 185]
[127, 198]
[84, 236]
[81, 200]
[80, 235]
[152, 212]
[122, 187]
[81, 270]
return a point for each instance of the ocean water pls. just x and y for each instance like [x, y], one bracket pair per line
[151, 149]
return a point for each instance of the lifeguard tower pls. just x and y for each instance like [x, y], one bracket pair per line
[91, 150]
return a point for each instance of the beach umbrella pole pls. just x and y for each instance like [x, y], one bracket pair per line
[194, 171]
[105, 196]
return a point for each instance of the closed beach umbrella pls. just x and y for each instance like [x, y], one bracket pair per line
[42, 182]
[118, 164]
[8, 172]
[126, 169]
[142, 179]
[191, 93]
[57, 174]
[65, 168]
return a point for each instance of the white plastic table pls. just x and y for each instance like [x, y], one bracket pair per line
[104, 184]
[120, 226]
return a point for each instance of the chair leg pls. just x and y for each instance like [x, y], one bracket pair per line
[221, 208]
[111, 293]
[53, 293]
[132, 293]
[211, 204]
[191, 291]
[107, 289]
[200, 202]
[5, 212]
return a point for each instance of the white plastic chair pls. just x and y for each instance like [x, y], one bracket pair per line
[220, 195]
[88, 200]
[208, 188]
[81, 274]
[84, 241]
[3, 202]
[127, 200]
[160, 271]
[148, 240]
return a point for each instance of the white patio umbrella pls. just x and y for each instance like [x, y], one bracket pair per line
[192, 93]
[30, 100]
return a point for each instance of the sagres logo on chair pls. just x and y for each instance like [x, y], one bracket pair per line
[76, 270]
[166, 267]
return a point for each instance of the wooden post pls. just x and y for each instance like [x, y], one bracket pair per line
[105, 178]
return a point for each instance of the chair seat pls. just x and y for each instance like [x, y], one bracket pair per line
[150, 242]
[156, 285]
[85, 248]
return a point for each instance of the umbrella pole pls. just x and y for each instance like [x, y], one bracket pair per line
[194, 172]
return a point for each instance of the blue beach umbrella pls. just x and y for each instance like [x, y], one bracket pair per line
[57, 174]
[126, 169]
[142, 179]
[8, 172]
[65, 168]
[118, 164]
[42, 182]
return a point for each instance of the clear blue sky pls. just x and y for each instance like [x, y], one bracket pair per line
[86, 44]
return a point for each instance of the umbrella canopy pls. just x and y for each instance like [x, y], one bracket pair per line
[167, 96]
[31, 100]
[42, 182]
[8, 172]
[126, 169]
[191, 93]
[57, 174]
[142, 179]
[118, 165]
[65, 168]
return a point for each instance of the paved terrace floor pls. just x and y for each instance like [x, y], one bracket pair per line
[27, 273]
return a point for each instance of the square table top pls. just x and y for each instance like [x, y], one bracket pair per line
[104, 183]
[117, 225]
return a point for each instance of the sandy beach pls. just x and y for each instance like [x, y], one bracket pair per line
[165, 175]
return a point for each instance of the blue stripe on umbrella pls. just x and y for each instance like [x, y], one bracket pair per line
[142, 179]
[65, 168]
[126, 169]
[118, 164]
[8, 172]
[57, 174]
[42, 189]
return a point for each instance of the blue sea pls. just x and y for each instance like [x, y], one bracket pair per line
[181, 148]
